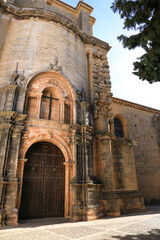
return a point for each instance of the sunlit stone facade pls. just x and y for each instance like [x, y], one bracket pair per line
[67, 147]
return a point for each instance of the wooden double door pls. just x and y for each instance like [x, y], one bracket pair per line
[43, 182]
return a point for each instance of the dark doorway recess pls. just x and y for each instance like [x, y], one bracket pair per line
[43, 182]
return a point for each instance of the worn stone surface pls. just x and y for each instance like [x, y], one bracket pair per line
[140, 226]
[140, 126]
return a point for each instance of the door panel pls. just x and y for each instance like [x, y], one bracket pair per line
[43, 182]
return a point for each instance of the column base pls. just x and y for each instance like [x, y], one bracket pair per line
[111, 204]
[2, 218]
[87, 204]
[131, 202]
[8, 217]
[121, 202]
[11, 217]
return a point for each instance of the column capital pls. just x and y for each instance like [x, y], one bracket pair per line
[7, 115]
[105, 137]
[69, 163]
[20, 118]
[22, 160]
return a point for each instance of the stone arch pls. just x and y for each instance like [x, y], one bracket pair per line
[52, 75]
[50, 137]
[49, 79]
[69, 170]
[123, 121]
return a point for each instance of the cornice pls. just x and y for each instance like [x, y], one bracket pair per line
[73, 10]
[26, 13]
[134, 105]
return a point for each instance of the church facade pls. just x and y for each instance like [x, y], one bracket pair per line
[68, 148]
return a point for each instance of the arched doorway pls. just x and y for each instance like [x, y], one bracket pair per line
[43, 182]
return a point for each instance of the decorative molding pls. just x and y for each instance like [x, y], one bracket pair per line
[134, 105]
[26, 13]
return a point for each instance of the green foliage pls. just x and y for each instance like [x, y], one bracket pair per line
[144, 17]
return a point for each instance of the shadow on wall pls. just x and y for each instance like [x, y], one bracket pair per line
[152, 202]
[154, 234]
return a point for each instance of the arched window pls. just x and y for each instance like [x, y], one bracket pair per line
[118, 128]
[50, 104]
[54, 102]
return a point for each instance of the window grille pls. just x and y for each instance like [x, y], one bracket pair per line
[118, 128]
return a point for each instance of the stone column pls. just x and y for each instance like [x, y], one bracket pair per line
[2, 98]
[61, 109]
[103, 132]
[90, 71]
[39, 97]
[5, 129]
[5, 135]
[20, 100]
[104, 165]
[10, 100]
[11, 213]
[111, 121]
[20, 171]
[68, 193]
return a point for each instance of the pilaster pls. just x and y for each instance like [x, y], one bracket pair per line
[5, 137]
[11, 125]
[6, 128]
[104, 161]
[10, 99]
[20, 170]
[11, 212]
[20, 100]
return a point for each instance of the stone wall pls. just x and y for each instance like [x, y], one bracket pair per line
[144, 131]
[42, 41]
[81, 18]
[42, 4]
[123, 165]
[3, 31]
[44, 49]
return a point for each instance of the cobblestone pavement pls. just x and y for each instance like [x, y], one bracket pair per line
[143, 226]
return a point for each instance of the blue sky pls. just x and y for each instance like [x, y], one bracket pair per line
[124, 84]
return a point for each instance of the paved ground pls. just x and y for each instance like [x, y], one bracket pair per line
[144, 226]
